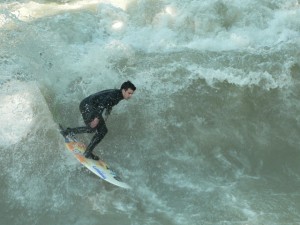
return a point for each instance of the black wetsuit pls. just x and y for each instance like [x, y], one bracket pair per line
[92, 107]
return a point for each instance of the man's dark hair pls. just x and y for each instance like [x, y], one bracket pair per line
[127, 85]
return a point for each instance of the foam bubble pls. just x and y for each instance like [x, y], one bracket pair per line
[18, 108]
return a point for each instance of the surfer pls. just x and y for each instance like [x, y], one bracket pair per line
[92, 109]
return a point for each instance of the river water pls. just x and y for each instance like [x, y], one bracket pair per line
[211, 135]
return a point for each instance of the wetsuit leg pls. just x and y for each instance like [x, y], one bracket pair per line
[101, 131]
[88, 115]
[79, 130]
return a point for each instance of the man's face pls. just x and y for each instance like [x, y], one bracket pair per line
[127, 93]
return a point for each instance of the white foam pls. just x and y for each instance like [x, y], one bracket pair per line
[18, 105]
[32, 10]
[204, 26]
[238, 77]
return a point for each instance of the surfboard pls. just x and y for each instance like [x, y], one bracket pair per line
[99, 167]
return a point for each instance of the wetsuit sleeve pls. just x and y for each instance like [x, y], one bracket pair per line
[105, 103]
[108, 110]
[99, 111]
[106, 100]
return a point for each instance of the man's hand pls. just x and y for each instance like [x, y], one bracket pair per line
[94, 123]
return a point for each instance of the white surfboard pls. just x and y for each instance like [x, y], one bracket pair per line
[98, 167]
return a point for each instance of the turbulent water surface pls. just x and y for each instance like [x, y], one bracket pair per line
[211, 135]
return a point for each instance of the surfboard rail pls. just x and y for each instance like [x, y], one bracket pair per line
[98, 167]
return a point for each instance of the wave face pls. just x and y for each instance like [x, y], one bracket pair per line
[211, 136]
